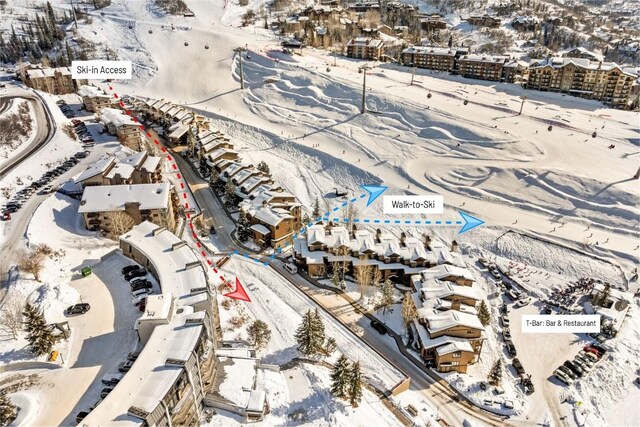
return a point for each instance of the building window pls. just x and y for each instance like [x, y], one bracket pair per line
[457, 354]
[455, 363]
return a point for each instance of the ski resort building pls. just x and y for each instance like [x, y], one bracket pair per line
[484, 21]
[602, 81]
[447, 331]
[57, 81]
[138, 168]
[432, 58]
[482, 67]
[118, 123]
[324, 248]
[173, 374]
[115, 208]
[365, 48]
[94, 99]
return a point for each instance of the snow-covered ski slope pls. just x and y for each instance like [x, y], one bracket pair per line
[483, 157]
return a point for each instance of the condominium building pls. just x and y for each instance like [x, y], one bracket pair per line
[603, 81]
[365, 48]
[170, 380]
[94, 99]
[483, 67]
[118, 123]
[52, 80]
[447, 331]
[138, 168]
[432, 58]
[114, 209]
[484, 21]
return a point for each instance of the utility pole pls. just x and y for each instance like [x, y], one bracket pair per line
[73, 10]
[364, 70]
[413, 74]
[239, 51]
[524, 98]
[335, 56]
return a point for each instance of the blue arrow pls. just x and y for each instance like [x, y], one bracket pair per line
[374, 192]
[470, 222]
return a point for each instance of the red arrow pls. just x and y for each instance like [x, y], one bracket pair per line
[239, 293]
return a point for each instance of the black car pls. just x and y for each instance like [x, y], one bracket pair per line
[600, 349]
[518, 366]
[125, 366]
[129, 268]
[135, 273]
[105, 391]
[144, 284]
[528, 386]
[547, 310]
[574, 368]
[378, 326]
[81, 416]
[78, 308]
[511, 348]
[568, 372]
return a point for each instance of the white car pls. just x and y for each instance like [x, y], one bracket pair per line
[140, 292]
[291, 268]
[523, 302]
[563, 377]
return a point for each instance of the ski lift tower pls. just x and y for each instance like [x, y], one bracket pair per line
[364, 70]
[239, 51]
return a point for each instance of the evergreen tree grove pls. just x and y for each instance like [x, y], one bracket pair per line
[310, 334]
[244, 227]
[39, 333]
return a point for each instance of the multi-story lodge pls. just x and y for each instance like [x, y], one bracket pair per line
[138, 168]
[324, 248]
[603, 81]
[94, 99]
[52, 80]
[274, 216]
[432, 58]
[447, 331]
[123, 126]
[365, 48]
[483, 67]
[100, 206]
[484, 21]
[174, 373]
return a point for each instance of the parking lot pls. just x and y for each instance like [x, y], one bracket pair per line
[100, 340]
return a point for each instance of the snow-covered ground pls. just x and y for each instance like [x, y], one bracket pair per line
[17, 143]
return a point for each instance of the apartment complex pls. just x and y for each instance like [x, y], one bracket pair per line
[125, 127]
[138, 168]
[447, 331]
[482, 67]
[484, 21]
[115, 208]
[325, 248]
[602, 81]
[365, 48]
[94, 99]
[174, 373]
[57, 81]
[432, 58]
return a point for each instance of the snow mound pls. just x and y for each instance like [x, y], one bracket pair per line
[53, 299]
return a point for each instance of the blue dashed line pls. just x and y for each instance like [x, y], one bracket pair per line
[366, 220]
[406, 221]
[447, 222]
[246, 256]
[438, 222]
[336, 208]
[236, 252]
[357, 220]
[458, 222]
[353, 200]
[386, 221]
[362, 196]
[319, 218]
[257, 260]
[417, 222]
[427, 222]
[336, 219]
[345, 204]
[397, 221]
[345, 219]
[376, 221]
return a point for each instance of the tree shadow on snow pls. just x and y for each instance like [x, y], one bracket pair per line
[281, 356]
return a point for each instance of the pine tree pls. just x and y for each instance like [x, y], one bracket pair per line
[495, 375]
[330, 346]
[340, 378]
[214, 179]
[355, 384]
[310, 334]
[244, 227]
[259, 334]
[305, 219]
[316, 210]
[387, 295]
[335, 277]
[8, 410]
[229, 194]
[483, 314]
[263, 167]
[39, 334]
[51, 15]
[408, 309]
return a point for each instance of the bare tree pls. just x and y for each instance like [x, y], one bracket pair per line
[31, 262]
[409, 311]
[121, 222]
[11, 317]
[363, 277]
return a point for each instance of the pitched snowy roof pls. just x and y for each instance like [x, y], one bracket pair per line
[441, 51]
[442, 320]
[126, 166]
[105, 198]
[442, 271]
[436, 289]
[116, 117]
[95, 169]
[270, 216]
[453, 347]
[91, 92]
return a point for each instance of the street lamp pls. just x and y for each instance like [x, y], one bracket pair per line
[239, 51]
[363, 70]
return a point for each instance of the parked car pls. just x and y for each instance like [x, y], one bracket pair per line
[511, 348]
[81, 416]
[291, 268]
[562, 376]
[589, 355]
[575, 368]
[105, 391]
[495, 273]
[125, 366]
[585, 367]
[483, 262]
[133, 355]
[568, 372]
[522, 302]
[78, 308]
[547, 310]
[140, 292]
[378, 326]
[505, 320]
[585, 360]
[129, 268]
[138, 301]
[527, 385]
[518, 366]
[513, 294]
[506, 333]
[145, 284]
[136, 273]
